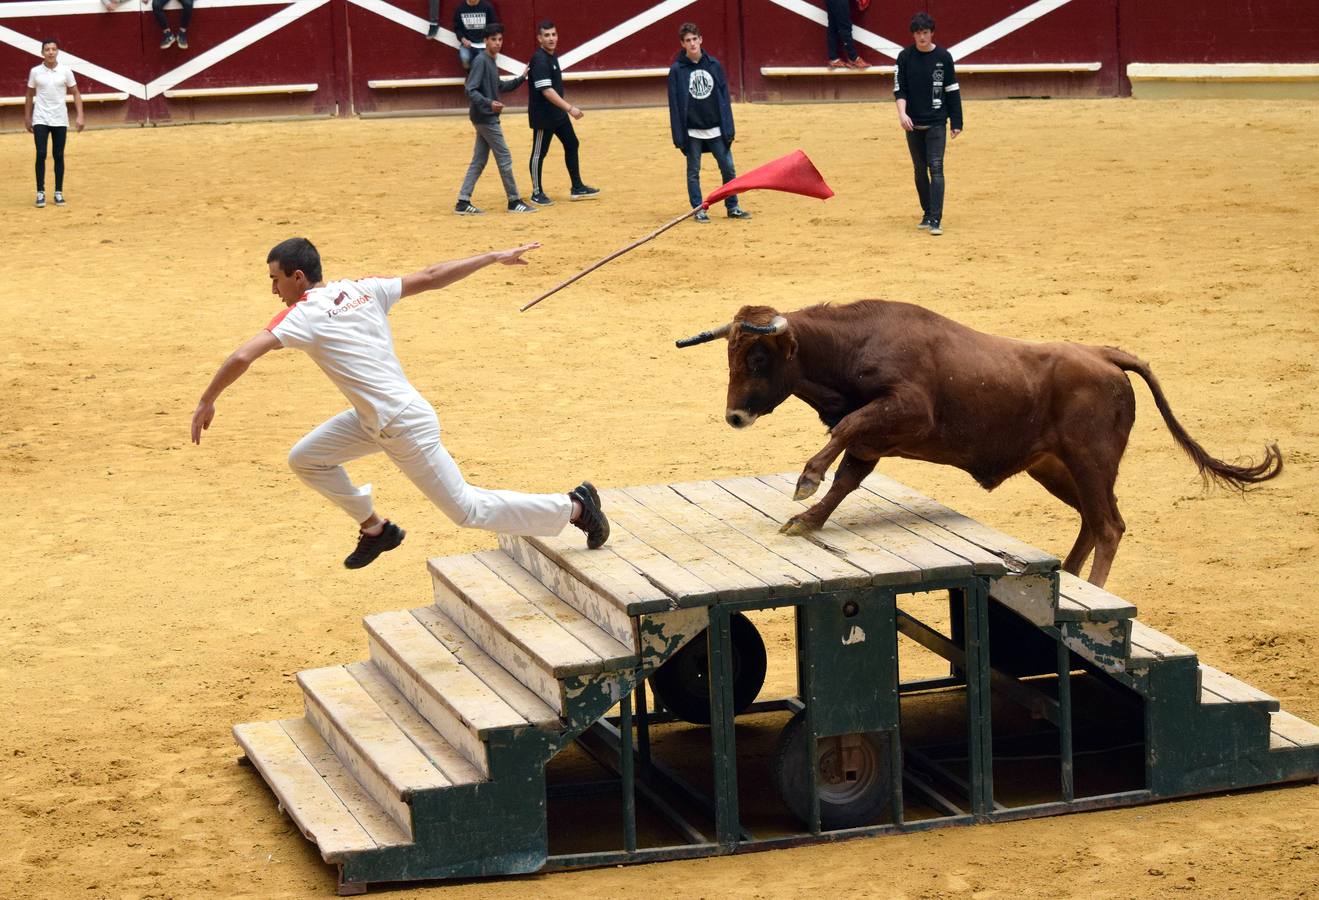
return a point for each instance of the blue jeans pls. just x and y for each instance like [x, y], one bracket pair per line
[467, 54]
[926, 147]
[723, 155]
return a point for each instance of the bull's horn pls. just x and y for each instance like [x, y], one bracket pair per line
[777, 326]
[705, 336]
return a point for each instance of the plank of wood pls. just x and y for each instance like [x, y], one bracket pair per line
[1017, 555]
[615, 654]
[1034, 598]
[603, 571]
[478, 662]
[1100, 605]
[1148, 644]
[601, 608]
[367, 741]
[443, 755]
[657, 540]
[1291, 732]
[1217, 686]
[904, 534]
[778, 575]
[312, 805]
[507, 614]
[885, 568]
[451, 697]
[355, 798]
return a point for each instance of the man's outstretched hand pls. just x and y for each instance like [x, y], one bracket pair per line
[514, 257]
[201, 420]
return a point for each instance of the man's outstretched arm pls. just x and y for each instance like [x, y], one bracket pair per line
[230, 371]
[443, 274]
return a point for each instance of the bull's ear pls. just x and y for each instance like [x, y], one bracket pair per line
[788, 341]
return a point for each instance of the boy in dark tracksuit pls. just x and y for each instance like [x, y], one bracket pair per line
[551, 116]
[483, 89]
[928, 96]
[701, 117]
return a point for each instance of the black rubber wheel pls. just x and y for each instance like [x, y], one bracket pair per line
[682, 684]
[855, 776]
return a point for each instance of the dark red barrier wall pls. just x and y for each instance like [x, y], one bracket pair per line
[342, 45]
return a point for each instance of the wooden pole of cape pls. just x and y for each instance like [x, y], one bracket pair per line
[615, 255]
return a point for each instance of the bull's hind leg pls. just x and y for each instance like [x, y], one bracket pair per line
[1053, 475]
[851, 472]
[1099, 513]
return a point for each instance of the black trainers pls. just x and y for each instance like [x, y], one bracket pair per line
[592, 520]
[703, 217]
[738, 212]
[59, 198]
[167, 40]
[519, 206]
[370, 546]
[465, 208]
[584, 192]
[936, 227]
[183, 39]
[924, 223]
[41, 199]
[433, 31]
[540, 199]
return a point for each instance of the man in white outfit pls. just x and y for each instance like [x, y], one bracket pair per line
[343, 327]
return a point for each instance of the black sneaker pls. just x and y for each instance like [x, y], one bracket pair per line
[924, 223]
[167, 40]
[540, 199]
[520, 206]
[183, 39]
[936, 227]
[703, 217]
[59, 198]
[592, 520]
[41, 199]
[738, 212]
[584, 192]
[371, 546]
[465, 208]
[433, 31]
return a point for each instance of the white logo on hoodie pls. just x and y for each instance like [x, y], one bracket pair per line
[701, 84]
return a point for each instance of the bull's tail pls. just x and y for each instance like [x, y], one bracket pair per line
[1222, 473]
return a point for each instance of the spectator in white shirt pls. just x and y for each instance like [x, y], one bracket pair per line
[46, 116]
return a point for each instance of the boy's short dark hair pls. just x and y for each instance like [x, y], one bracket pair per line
[294, 254]
[687, 28]
[49, 40]
[547, 25]
[921, 22]
[493, 29]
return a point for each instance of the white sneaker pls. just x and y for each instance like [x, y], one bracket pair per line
[59, 198]
[41, 199]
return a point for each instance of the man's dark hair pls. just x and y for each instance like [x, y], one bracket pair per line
[547, 25]
[493, 29]
[45, 41]
[294, 254]
[921, 22]
[687, 28]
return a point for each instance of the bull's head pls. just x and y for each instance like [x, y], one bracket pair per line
[760, 347]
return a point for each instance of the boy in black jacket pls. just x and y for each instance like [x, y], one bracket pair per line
[701, 116]
[928, 95]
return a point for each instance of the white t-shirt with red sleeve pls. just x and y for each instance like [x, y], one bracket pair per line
[344, 328]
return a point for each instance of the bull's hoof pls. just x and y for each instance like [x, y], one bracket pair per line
[796, 527]
[806, 487]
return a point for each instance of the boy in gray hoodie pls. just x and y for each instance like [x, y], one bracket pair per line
[483, 89]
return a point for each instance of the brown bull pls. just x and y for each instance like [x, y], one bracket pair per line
[893, 379]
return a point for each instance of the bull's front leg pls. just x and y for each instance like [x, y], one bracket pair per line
[902, 416]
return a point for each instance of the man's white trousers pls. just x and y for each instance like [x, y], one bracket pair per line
[412, 441]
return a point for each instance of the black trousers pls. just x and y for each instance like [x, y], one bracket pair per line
[839, 29]
[926, 146]
[57, 135]
[540, 147]
[158, 10]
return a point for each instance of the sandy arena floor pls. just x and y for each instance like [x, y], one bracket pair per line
[158, 593]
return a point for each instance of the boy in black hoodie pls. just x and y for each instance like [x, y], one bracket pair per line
[701, 116]
[928, 96]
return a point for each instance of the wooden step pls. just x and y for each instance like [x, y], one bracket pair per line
[1081, 601]
[1287, 732]
[1150, 647]
[443, 755]
[526, 638]
[367, 742]
[1220, 687]
[328, 805]
[448, 694]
